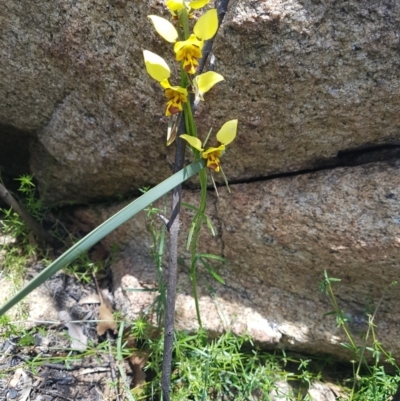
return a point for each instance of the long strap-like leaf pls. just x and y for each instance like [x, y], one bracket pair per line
[104, 229]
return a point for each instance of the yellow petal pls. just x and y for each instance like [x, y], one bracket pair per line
[227, 133]
[164, 28]
[204, 82]
[156, 66]
[180, 90]
[193, 141]
[166, 85]
[195, 5]
[175, 5]
[191, 45]
[207, 25]
[217, 151]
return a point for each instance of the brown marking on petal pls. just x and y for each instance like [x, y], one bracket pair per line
[214, 166]
[190, 68]
[174, 110]
[213, 163]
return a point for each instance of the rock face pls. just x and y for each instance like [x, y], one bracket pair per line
[307, 80]
[278, 237]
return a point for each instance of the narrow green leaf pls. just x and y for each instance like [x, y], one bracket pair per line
[189, 206]
[210, 226]
[211, 256]
[206, 219]
[105, 228]
[191, 231]
[120, 360]
[216, 276]
[330, 313]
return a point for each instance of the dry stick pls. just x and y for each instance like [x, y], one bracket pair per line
[173, 226]
[35, 227]
[222, 7]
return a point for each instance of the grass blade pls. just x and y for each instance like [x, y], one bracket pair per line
[104, 229]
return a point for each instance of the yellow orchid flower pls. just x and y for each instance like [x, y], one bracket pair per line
[225, 136]
[204, 82]
[176, 96]
[188, 50]
[174, 6]
[158, 69]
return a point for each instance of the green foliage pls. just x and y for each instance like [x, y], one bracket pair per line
[7, 328]
[370, 381]
[140, 329]
[11, 223]
[83, 269]
[31, 202]
[377, 385]
[225, 368]
[15, 261]
[157, 230]
[27, 340]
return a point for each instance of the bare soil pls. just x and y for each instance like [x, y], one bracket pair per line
[41, 365]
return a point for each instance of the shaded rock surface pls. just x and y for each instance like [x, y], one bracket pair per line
[278, 237]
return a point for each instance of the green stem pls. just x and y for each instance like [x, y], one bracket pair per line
[198, 218]
[184, 22]
[343, 322]
[198, 221]
[190, 124]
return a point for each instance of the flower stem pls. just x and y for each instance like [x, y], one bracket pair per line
[198, 221]
[186, 123]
